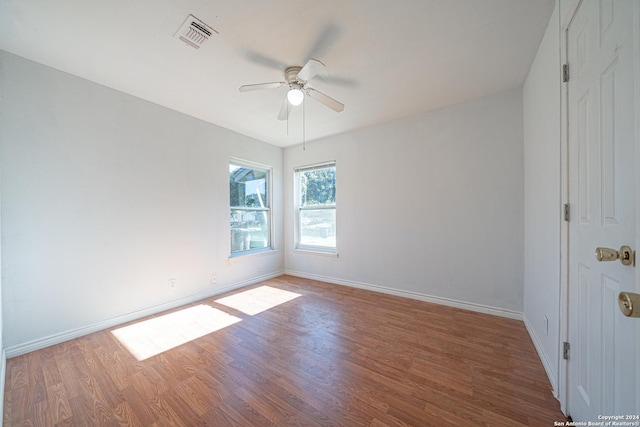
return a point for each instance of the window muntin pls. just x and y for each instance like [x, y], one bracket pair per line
[250, 193]
[316, 207]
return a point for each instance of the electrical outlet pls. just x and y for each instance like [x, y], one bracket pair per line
[214, 279]
[172, 282]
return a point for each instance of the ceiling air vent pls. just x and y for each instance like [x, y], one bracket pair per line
[194, 32]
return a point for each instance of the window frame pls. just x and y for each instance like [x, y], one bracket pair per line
[298, 246]
[268, 170]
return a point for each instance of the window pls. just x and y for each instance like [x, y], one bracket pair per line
[250, 193]
[316, 207]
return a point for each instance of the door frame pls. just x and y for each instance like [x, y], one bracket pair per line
[636, 65]
[566, 16]
[567, 10]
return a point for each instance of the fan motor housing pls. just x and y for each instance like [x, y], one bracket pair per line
[291, 74]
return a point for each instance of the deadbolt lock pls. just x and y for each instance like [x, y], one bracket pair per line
[626, 255]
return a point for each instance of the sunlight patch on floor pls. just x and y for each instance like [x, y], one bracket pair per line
[154, 336]
[257, 300]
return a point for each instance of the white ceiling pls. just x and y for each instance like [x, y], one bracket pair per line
[386, 59]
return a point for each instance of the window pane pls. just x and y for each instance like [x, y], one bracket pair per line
[248, 187]
[249, 229]
[318, 187]
[249, 202]
[318, 227]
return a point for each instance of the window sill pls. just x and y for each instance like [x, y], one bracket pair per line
[250, 254]
[311, 251]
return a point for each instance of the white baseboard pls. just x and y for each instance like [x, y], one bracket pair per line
[543, 357]
[50, 340]
[413, 295]
[44, 342]
[3, 375]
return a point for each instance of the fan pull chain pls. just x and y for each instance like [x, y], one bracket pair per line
[304, 134]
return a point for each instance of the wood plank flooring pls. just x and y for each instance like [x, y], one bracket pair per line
[334, 356]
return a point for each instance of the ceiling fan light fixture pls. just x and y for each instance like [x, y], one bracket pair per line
[296, 79]
[295, 96]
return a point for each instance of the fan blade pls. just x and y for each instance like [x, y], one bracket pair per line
[260, 59]
[259, 86]
[325, 99]
[284, 110]
[338, 80]
[324, 40]
[312, 68]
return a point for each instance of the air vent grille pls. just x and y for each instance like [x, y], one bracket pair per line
[194, 32]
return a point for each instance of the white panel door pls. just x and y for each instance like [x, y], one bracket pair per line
[602, 55]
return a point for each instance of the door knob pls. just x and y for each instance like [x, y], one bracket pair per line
[625, 255]
[629, 304]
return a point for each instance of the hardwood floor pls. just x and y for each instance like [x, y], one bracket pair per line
[332, 356]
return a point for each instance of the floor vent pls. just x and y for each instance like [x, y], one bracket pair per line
[194, 32]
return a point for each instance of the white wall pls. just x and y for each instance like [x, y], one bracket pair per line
[426, 206]
[104, 198]
[3, 359]
[542, 185]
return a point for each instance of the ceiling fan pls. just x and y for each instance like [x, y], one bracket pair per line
[296, 78]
